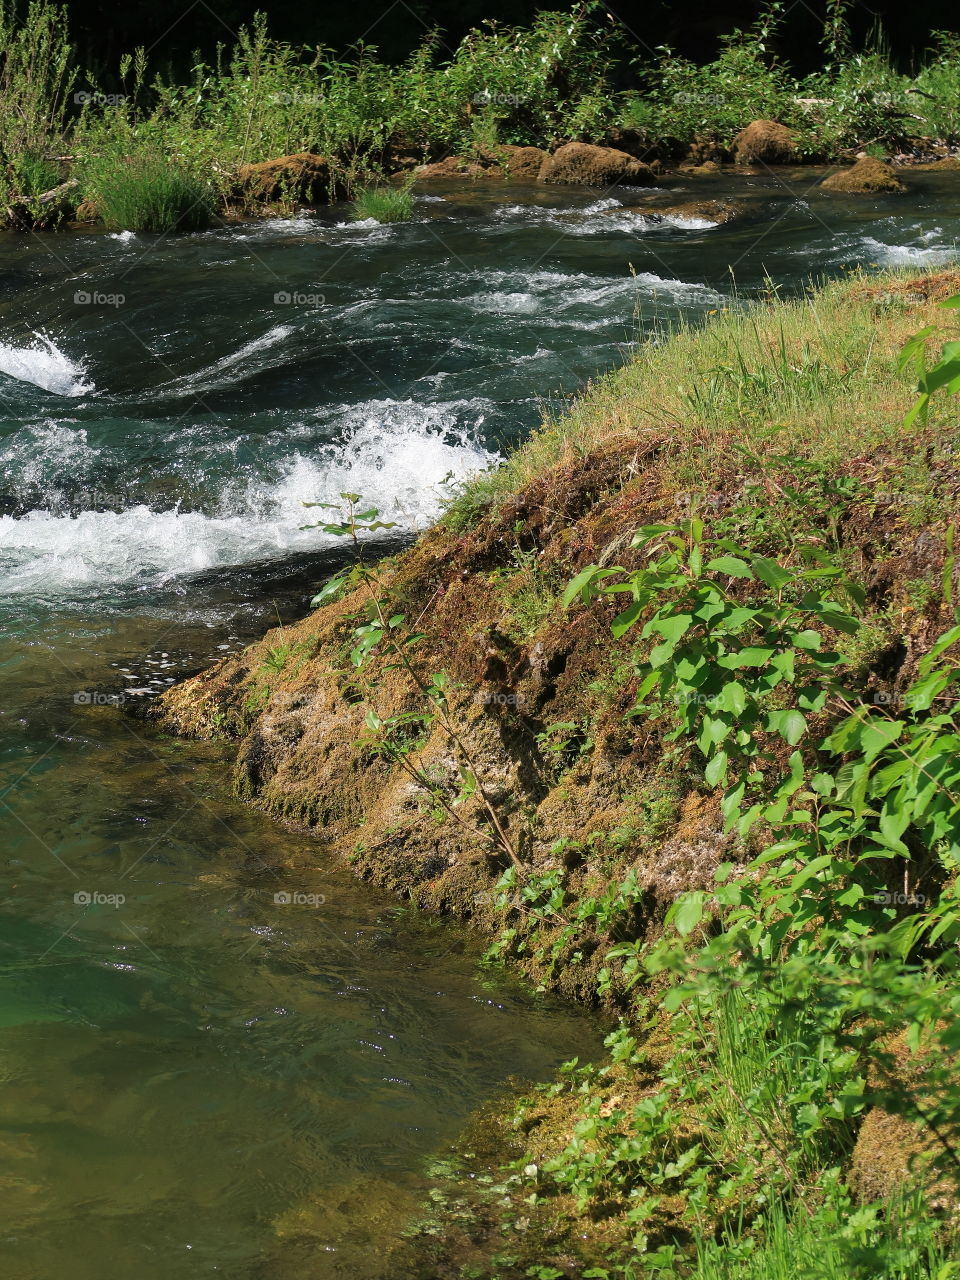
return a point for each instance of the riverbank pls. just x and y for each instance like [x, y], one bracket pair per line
[457, 728]
[267, 126]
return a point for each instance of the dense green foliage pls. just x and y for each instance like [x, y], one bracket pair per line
[568, 75]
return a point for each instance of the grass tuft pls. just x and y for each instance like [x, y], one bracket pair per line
[147, 192]
[384, 204]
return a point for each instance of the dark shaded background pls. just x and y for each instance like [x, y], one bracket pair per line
[103, 29]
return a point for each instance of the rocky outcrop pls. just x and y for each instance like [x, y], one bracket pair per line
[765, 142]
[585, 165]
[868, 176]
[305, 176]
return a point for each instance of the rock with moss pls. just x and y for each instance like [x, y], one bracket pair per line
[304, 176]
[867, 177]
[765, 142]
[522, 163]
[579, 163]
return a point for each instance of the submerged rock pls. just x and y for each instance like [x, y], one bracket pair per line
[585, 165]
[866, 176]
[715, 211]
[304, 176]
[765, 142]
[708, 166]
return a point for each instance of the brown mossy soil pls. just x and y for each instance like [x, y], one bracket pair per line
[601, 795]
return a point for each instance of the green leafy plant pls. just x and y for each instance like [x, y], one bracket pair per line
[944, 375]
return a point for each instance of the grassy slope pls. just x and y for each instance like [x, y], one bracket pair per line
[780, 424]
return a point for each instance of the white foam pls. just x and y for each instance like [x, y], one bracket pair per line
[549, 293]
[223, 372]
[46, 366]
[910, 255]
[603, 217]
[400, 456]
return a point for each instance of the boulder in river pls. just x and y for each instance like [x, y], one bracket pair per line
[716, 212]
[765, 142]
[304, 176]
[867, 176]
[589, 166]
[520, 162]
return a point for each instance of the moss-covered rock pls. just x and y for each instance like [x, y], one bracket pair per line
[868, 177]
[304, 176]
[589, 166]
[765, 142]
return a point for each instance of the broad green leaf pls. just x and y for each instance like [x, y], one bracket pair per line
[732, 566]
[578, 585]
[687, 914]
[716, 770]
[628, 618]
[773, 574]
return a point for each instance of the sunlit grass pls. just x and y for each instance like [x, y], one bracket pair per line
[815, 377]
[384, 204]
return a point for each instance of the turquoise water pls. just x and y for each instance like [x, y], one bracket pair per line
[198, 1078]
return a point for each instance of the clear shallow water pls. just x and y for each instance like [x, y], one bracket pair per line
[200, 1080]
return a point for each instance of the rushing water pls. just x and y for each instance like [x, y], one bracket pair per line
[200, 1078]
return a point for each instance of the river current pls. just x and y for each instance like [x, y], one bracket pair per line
[209, 1065]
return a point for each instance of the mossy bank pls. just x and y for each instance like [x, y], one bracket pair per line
[454, 729]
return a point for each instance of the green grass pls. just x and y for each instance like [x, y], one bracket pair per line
[383, 204]
[814, 377]
[147, 192]
[834, 1241]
